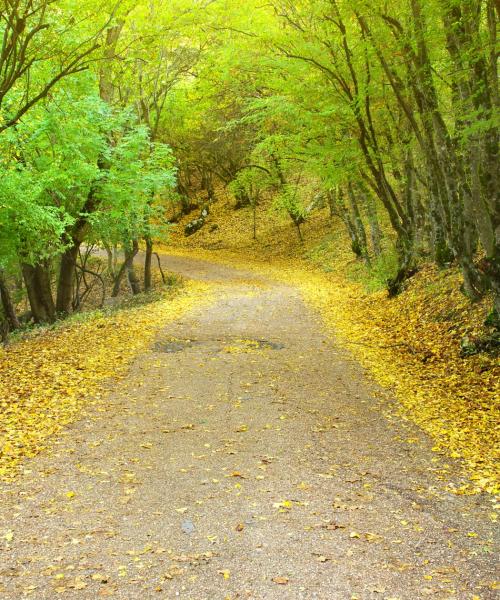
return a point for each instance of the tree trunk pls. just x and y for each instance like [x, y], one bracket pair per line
[7, 304]
[336, 198]
[65, 284]
[37, 281]
[476, 97]
[148, 278]
[130, 253]
[299, 231]
[358, 224]
[254, 218]
[110, 258]
[375, 231]
[133, 280]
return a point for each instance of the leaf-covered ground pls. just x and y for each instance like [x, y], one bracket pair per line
[410, 344]
[244, 456]
[47, 379]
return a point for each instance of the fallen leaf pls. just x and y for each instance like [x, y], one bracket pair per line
[9, 535]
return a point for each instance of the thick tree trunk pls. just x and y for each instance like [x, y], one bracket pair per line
[7, 304]
[65, 284]
[475, 98]
[37, 281]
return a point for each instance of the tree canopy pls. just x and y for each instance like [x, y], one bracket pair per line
[385, 112]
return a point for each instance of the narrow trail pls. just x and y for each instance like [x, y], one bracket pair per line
[245, 456]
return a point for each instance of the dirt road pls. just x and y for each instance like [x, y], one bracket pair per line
[245, 456]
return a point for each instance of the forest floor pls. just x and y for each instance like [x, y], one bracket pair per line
[244, 454]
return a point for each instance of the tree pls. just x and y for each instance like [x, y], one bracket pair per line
[42, 45]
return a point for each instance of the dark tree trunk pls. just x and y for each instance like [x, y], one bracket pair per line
[332, 203]
[135, 284]
[7, 304]
[358, 225]
[406, 267]
[297, 223]
[37, 281]
[77, 233]
[375, 231]
[65, 284]
[148, 278]
[163, 278]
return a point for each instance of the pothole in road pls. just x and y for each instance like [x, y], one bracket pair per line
[173, 346]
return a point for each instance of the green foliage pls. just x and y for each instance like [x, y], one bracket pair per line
[289, 201]
[290, 99]
[29, 228]
[375, 276]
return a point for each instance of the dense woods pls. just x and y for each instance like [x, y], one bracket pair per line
[249, 299]
[113, 116]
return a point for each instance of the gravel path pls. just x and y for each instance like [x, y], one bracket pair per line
[245, 456]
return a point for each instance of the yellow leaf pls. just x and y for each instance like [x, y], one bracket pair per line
[9, 535]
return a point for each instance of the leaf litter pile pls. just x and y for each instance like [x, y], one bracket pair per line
[47, 379]
[411, 345]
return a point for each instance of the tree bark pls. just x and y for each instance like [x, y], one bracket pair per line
[130, 252]
[375, 231]
[358, 225]
[133, 280]
[148, 276]
[37, 281]
[66, 280]
[7, 304]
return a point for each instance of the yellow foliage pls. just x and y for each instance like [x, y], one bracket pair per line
[47, 379]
